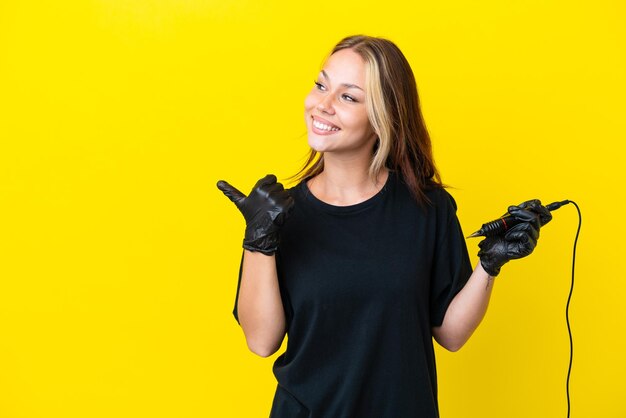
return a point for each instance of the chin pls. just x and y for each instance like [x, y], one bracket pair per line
[316, 143]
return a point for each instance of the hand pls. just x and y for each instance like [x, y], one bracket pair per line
[265, 210]
[518, 241]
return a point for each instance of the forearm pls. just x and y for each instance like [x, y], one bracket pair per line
[466, 311]
[259, 306]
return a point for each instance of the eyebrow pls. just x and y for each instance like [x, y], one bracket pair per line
[348, 85]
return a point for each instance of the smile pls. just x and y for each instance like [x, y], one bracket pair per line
[322, 126]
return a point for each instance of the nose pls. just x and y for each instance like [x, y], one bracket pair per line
[325, 105]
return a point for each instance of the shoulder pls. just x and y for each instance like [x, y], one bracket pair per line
[297, 189]
[441, 198]
[436, 195]
[442, 208]
[438, 203]
[437, 198]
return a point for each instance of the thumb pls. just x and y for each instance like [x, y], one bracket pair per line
[522, 214]
[231, 192]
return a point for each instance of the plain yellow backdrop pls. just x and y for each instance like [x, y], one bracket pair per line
[119, 257]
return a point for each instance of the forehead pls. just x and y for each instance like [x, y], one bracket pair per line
[345, 66]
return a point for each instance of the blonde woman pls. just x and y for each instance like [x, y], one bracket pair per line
[363, 262]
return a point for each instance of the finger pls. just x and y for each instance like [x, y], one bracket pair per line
[526, 215]
[267, 180]
[522, 244]
[544, 214]
[535, 206]
[522, 214]
[285, 203]
[511, 210]
[275, 191]
[280, 219]
[530, 204]
[231, 192]
[519, 237]
[524, 228]
[283, 200]
[271, 192]
[274, 188]
[488, 242]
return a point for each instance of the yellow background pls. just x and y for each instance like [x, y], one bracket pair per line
[119, 257]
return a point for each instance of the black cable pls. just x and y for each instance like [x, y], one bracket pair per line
[569, 298]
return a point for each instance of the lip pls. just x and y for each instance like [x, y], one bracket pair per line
[325, 122]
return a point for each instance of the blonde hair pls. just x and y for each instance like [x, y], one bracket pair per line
[394, 112]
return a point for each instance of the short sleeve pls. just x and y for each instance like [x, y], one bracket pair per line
[235, 313]
[451, 266]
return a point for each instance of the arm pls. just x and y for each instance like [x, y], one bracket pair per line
[465, 312]
[469, 306]
[259, 306]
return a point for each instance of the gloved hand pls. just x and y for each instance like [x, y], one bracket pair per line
[518, 241]
[265, 209]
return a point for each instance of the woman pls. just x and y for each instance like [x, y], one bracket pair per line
[364, 262]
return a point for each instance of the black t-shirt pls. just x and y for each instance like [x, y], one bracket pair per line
[362, 286]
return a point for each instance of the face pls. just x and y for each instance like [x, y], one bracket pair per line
[335, 111]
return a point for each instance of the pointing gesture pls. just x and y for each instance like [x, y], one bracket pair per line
[265, 210]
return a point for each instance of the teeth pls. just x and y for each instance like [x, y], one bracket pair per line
[323, 126]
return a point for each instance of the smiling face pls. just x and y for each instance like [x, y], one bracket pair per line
[335, 110]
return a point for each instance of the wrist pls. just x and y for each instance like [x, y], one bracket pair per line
[492, 270]
[267, 244]
[255, 250]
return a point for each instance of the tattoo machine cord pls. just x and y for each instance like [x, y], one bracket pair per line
[569, 298]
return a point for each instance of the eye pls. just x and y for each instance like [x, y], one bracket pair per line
[349, 98]
[319, 86]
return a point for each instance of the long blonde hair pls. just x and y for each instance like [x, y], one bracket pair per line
[394, 112]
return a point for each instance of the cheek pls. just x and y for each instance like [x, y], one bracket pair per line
[309, 101]
[361, 121]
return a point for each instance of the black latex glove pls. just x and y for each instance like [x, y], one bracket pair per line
[265, 209]
[518, 241]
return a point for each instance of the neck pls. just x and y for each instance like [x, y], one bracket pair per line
[346, 182]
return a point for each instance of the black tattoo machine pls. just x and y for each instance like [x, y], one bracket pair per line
[507, 222]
